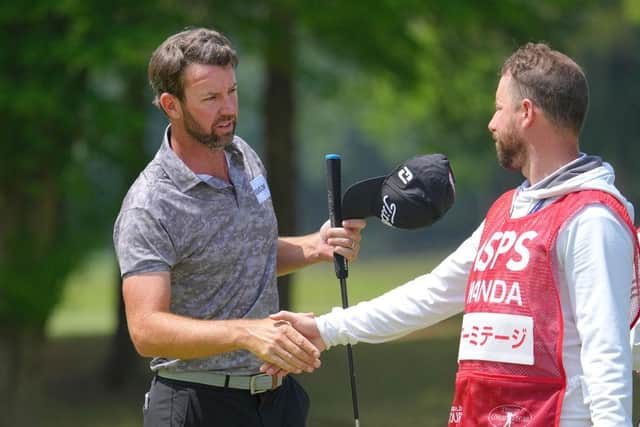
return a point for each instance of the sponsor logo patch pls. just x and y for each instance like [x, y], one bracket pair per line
[509, 416]
[388, 213]
[455, 416]
[405, 175]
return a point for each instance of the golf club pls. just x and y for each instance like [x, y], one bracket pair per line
[334, 183]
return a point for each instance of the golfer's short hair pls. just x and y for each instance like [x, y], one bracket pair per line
[553, 81]
[192, 46]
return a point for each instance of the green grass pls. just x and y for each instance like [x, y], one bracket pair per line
[317, 289]
[88, 302]
[406, 382]
[87, 306]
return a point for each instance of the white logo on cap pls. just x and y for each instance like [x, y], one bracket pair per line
[388, 213]
[405, 175]
[452, 182]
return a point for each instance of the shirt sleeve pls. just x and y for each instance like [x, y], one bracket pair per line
[142, 243]
[419, 303]
[596, 251]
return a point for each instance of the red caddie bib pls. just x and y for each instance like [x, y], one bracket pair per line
[510, 370]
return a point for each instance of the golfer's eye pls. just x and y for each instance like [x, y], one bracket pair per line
[211, 98]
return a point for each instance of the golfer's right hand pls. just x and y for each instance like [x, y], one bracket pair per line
[280, 344]
[305, 323]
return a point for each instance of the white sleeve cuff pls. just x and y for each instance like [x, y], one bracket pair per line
[330, 330]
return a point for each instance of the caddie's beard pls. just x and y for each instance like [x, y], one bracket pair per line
[210, 139]
[510, 149]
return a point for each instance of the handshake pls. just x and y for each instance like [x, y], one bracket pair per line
[415, 195]
[288, 343]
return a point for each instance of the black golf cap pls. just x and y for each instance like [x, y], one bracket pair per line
[416, 194]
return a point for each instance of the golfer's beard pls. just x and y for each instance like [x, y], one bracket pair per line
[211, 139]
[510, 151]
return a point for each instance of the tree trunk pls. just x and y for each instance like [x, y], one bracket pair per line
[278, 113]
[21, 379]
[121, 359]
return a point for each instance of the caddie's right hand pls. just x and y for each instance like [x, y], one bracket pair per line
[280, 344]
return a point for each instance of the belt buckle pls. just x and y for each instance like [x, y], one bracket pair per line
[260, 383]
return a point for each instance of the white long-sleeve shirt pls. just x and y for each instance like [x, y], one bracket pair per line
[594, 259]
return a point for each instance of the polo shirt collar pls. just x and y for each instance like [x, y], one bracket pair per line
[183, 177]
[178, 172]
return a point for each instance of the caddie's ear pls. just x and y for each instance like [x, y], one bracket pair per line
[171, 105]
[528, 112]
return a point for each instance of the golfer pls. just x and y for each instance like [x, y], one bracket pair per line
[198, 249]
[547, 281]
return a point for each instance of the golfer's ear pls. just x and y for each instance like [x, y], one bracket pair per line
[171, 106]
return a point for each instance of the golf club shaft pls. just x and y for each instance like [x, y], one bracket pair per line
[340, 264]
[352, 371]
[354, 390]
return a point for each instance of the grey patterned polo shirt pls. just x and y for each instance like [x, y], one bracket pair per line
[218, 240]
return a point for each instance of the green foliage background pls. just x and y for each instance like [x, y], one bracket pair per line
[377, 84]
[412, 77]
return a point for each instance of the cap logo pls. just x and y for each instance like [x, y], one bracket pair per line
[388, 213]
[405, 175]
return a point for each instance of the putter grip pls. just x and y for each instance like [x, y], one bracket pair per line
[334, 185]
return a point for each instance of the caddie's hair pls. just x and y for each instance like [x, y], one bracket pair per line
[553, 81]
[192, 46]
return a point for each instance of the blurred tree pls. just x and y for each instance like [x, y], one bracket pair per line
[40, 238]
[447, 106]
[417, 76]
[278, 104]
[118, 39]
[73, 101]
[462, 48]
[612, 64]
[385, 45]
[76, 126]
[396, 48]
[327, 23]
[273, 30]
